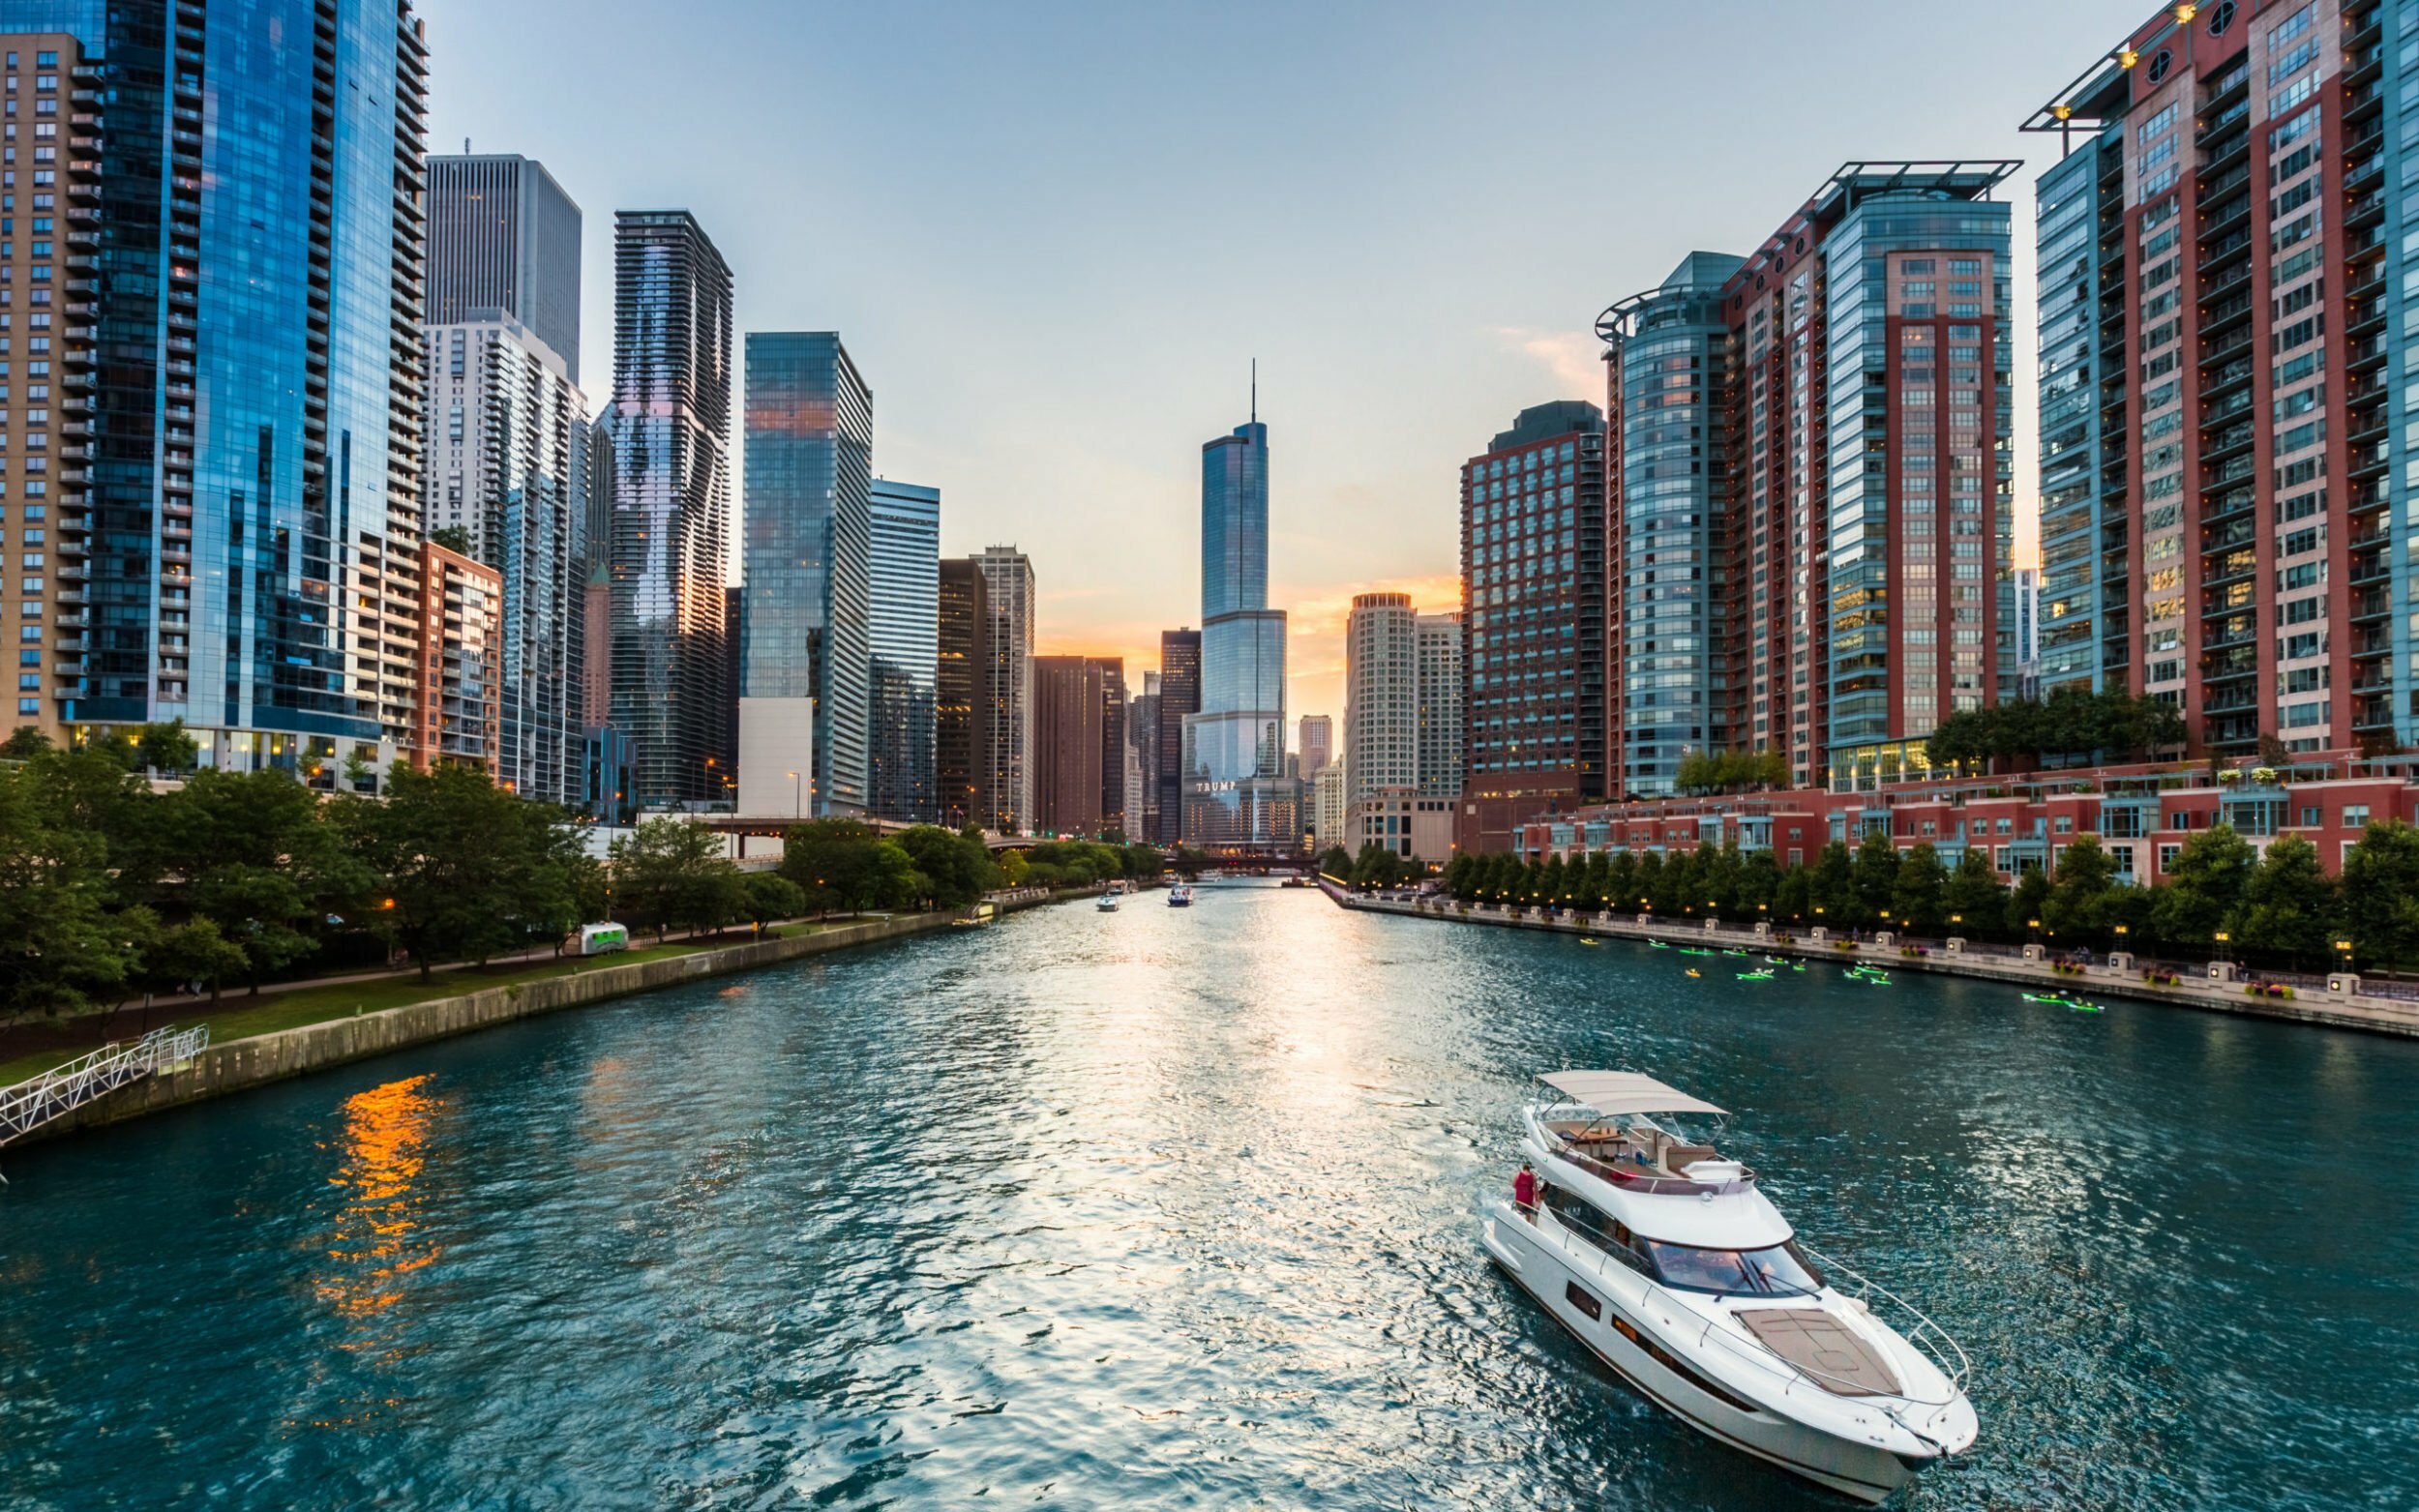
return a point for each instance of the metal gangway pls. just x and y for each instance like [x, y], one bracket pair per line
[29, 1105]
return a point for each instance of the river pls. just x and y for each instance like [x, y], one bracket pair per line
[1177, 1209]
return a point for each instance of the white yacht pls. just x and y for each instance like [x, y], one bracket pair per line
[1668, 1261]
[1180, 895]
[1106, 903]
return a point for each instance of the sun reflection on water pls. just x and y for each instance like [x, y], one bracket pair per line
[374, 1241]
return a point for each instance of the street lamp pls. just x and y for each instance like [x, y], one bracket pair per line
[2223, 938]
[2346, 946]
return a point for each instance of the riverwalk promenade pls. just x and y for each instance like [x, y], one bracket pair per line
[2336, 1000]
[238, 1064]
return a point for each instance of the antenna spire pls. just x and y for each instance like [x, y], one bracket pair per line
[1255, 391]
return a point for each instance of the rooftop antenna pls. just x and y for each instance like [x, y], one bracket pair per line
[1255, 391]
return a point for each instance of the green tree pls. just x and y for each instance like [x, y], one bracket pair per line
[1976, 900]
[26, 743]
[832, 863]
[1554, 882]
[460, 867]
[1793, 898]
[2025, 902]
[1338, 863]
[767, 897]
[1621, 881]
[261, 862]
[1759, 884]
[957, 868]
[2204, 888]
[2287, 903]
[453, 538]
[195, 951]
[1876, 876]
[672, 875]
[1918, 896]
[2380, 895]
[1594, 881]
[2078, 906]
[62, 945]
[891, 879]
[1833, 887]
[165, 747]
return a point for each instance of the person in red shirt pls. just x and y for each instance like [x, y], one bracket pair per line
[1525, 1189]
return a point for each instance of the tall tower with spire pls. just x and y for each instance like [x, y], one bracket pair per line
[1234, 787]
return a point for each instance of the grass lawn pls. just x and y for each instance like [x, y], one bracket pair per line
[237, 1016]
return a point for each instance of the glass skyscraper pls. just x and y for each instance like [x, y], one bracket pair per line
[905, 635]
[243, 555]
[1235, 791]
[504, 239]
[810, 471]
[672, 505]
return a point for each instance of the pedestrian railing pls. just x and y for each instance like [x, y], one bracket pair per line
[60, 1090]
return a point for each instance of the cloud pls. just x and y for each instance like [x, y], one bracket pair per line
[1575, 359]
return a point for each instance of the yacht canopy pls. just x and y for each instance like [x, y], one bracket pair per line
[1612, 1092]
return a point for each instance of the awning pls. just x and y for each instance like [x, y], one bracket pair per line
[1612, 1092]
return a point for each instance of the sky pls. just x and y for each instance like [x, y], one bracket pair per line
[1056, 236]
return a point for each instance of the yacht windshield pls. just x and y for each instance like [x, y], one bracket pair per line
[1781, 1270]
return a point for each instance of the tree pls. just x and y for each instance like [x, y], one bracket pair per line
[956, 869]
[460, 866]
[832, 862]
[453, 538]
[24, 744]
[2288, 902]
[166, 748]
[61, 944]
[1876, 876]
[258, 862]
[2204, 893]
[1592, 881]
[1833, 887]
[889, 881]
[2381, 894]
[1793, 898]
[1338, 863]
[1554, 882]
[768, 897]
[1919, 897]
[2078, 905]
[1975, 898]
[2025, 902]
[670, 874]
[1621, 880]
[195, 951]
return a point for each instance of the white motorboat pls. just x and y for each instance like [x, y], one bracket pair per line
[1180, 895]
[1670, 1263]
[1106, 903]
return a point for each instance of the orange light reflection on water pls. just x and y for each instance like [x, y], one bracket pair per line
[373, 1243]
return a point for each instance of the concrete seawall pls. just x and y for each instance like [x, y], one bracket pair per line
[2349, 1011]
[262, 1058]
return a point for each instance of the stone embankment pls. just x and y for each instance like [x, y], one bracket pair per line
[2338, 1002]
[255, 1061]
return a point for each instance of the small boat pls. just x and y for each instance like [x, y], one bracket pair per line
[1180, 895]
[1765, 975]
[1734, 952]
[1693, 971]
[1106, 903]
[1590, 939]
[1658, 945]
[1674, 1268]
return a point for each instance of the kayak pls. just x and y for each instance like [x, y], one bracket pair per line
[1693, 971]
[1755, 976]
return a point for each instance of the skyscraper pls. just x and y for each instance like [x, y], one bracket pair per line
[963, 710]
[1315, 742]
[238, 546]
[1142, 768]
[672, 504]
[1235, 791]
[1113, 789]
[810, 454]
[1810, 487]
[1180, 696]
[2226, 247]
[504, 474]
[1402, 767]
[1534, 603]
[504, 241]
[1672, 371]
[1007, 778]
[905, 626]
[1070, 695]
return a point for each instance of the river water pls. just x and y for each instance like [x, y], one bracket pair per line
[1177, 1209]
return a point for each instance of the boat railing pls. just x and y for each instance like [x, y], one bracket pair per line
[1911, 1322]
[1942, 1352]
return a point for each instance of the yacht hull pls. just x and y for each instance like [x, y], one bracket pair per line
[1866, 1473]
